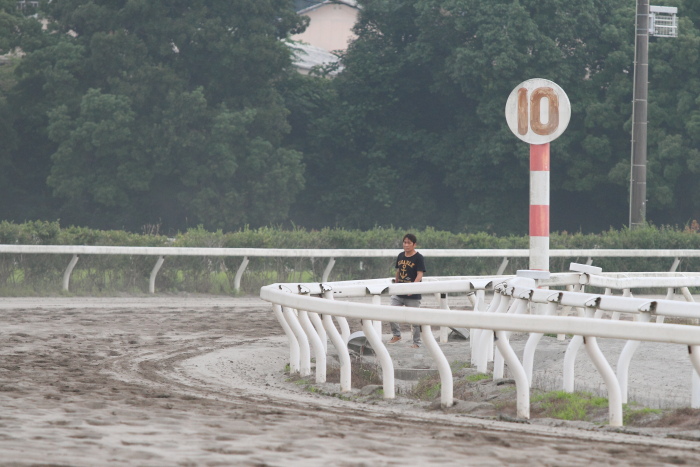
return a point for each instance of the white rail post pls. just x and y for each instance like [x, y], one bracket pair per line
[342, 322]
[376, 292]
[614, 395]
[674, 266]
[315, 320]
[377, 300]
[695, 389]
[477, 338]
[304, 348]
[239, 274]
[318, 325]
[478, 306]
[623, 361]
[443, 305]
[446, 382]
[499, 304]
[694, 353]
[340, 345]
[502, 267]
[68, 271]
[625, 293]
[522, 388]
[293, 343]
[566, 309]
[568, 376]
[517, 306]
[534, 339]
[689, 298]
[383, 356]
[475, 334]
[317, 345]
[570, 358]
[154, 273]
[687, 295]
[670, 295]
[327, 271]
[569, 362]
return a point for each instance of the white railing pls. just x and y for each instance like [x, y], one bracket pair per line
[331, 254]
[519, 304]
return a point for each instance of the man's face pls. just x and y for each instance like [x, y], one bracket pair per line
[408, 245]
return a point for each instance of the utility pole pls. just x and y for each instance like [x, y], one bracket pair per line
[638, 173]
[655, 21]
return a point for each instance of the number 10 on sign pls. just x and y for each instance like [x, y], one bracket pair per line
[538, 111]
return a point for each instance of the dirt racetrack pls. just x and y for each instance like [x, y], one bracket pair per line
[190, 381]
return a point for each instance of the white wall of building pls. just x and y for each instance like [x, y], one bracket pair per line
[330, 26]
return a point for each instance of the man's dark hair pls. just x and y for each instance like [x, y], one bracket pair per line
[411, 237]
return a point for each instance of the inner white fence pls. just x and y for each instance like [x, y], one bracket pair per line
[529, 303]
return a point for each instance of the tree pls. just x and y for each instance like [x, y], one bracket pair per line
[163, 112]
[418, 122]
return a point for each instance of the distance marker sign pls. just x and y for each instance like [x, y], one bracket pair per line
[538, 111]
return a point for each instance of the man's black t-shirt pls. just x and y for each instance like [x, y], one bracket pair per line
[408, 270]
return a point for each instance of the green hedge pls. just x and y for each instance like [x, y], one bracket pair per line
[109, 275]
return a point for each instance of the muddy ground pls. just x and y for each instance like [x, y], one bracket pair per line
[191, 380]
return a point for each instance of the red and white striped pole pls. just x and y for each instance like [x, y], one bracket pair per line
[539, 206]
[538, 111]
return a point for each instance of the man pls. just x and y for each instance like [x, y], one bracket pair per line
[410, 267]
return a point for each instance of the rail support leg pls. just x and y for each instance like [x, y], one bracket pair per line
[534, 339]
[377, 300]
[327, 271]
[499, 304]
[316, 343]
[522, 387]
[570, 359]
[689, 298]
[293, 343]
[569, 362]
[674, 266]
[695, 390]
[603, 367]
[154, 273]
[383, 356]
[341, 345]
[694, 353]
[446, 383]
[502, 267]
[239, 274]
[68, 271]
[443, 305]
[320, 329]
[304, 348]
[342, 322]
[517, 306]
[343, 353]
[623, 361]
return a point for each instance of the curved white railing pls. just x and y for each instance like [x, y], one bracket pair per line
[331, 254]
[513, 308]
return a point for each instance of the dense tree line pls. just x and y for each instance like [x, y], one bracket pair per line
[160, 112]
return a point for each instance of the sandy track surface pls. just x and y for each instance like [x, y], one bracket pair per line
[199, 381]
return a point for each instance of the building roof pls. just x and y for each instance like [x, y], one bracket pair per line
[302, 6]
[307, 56]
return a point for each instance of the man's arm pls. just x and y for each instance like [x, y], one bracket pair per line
[419, 276]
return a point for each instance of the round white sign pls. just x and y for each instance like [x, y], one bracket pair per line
[538, 111]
